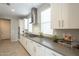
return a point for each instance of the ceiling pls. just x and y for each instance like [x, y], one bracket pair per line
[21, 9]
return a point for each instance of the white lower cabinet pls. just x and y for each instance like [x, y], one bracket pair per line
[35, 49]
[49, 52]
[23, 41]
[40, 51]
[29, 47]
[44, 51]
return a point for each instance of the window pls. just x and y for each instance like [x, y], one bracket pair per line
[29, 25]
[46, 21]
[25, 24]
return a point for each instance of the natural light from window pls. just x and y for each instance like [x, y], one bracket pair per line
[25, 24]
[46, 21]
[30, 25]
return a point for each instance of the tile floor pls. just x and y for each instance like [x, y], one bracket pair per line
[8, 48]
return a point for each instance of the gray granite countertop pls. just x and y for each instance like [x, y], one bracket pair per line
[66, 51]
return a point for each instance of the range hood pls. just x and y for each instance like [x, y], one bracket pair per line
[34, 15]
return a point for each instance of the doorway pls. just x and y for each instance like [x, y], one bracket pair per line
[5, 29]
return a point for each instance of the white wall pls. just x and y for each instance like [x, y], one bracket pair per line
[21, 25]
[14, 29]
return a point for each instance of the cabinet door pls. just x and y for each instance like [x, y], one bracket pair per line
[70, 16]
[40, 51]
[21, 40]
[65, 16]
[73, 16]
[33, 48]
[60, 16]
[29, 47]
[25, 42]
[44, 51]
[49, 52]
[36, 49]
[56, 15]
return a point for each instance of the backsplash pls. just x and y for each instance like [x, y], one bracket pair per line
[73, 32]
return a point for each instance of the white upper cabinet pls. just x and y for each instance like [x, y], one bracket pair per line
[65, 16]
[55, 16]
[74, 16]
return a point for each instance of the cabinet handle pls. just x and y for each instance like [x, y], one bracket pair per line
[59, 23]
[62, 23]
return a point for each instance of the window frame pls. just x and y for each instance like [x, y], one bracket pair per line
[29, 23]
[25, 24]
[46, 22]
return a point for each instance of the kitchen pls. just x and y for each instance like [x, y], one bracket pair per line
[61, 14]
[48, 29]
